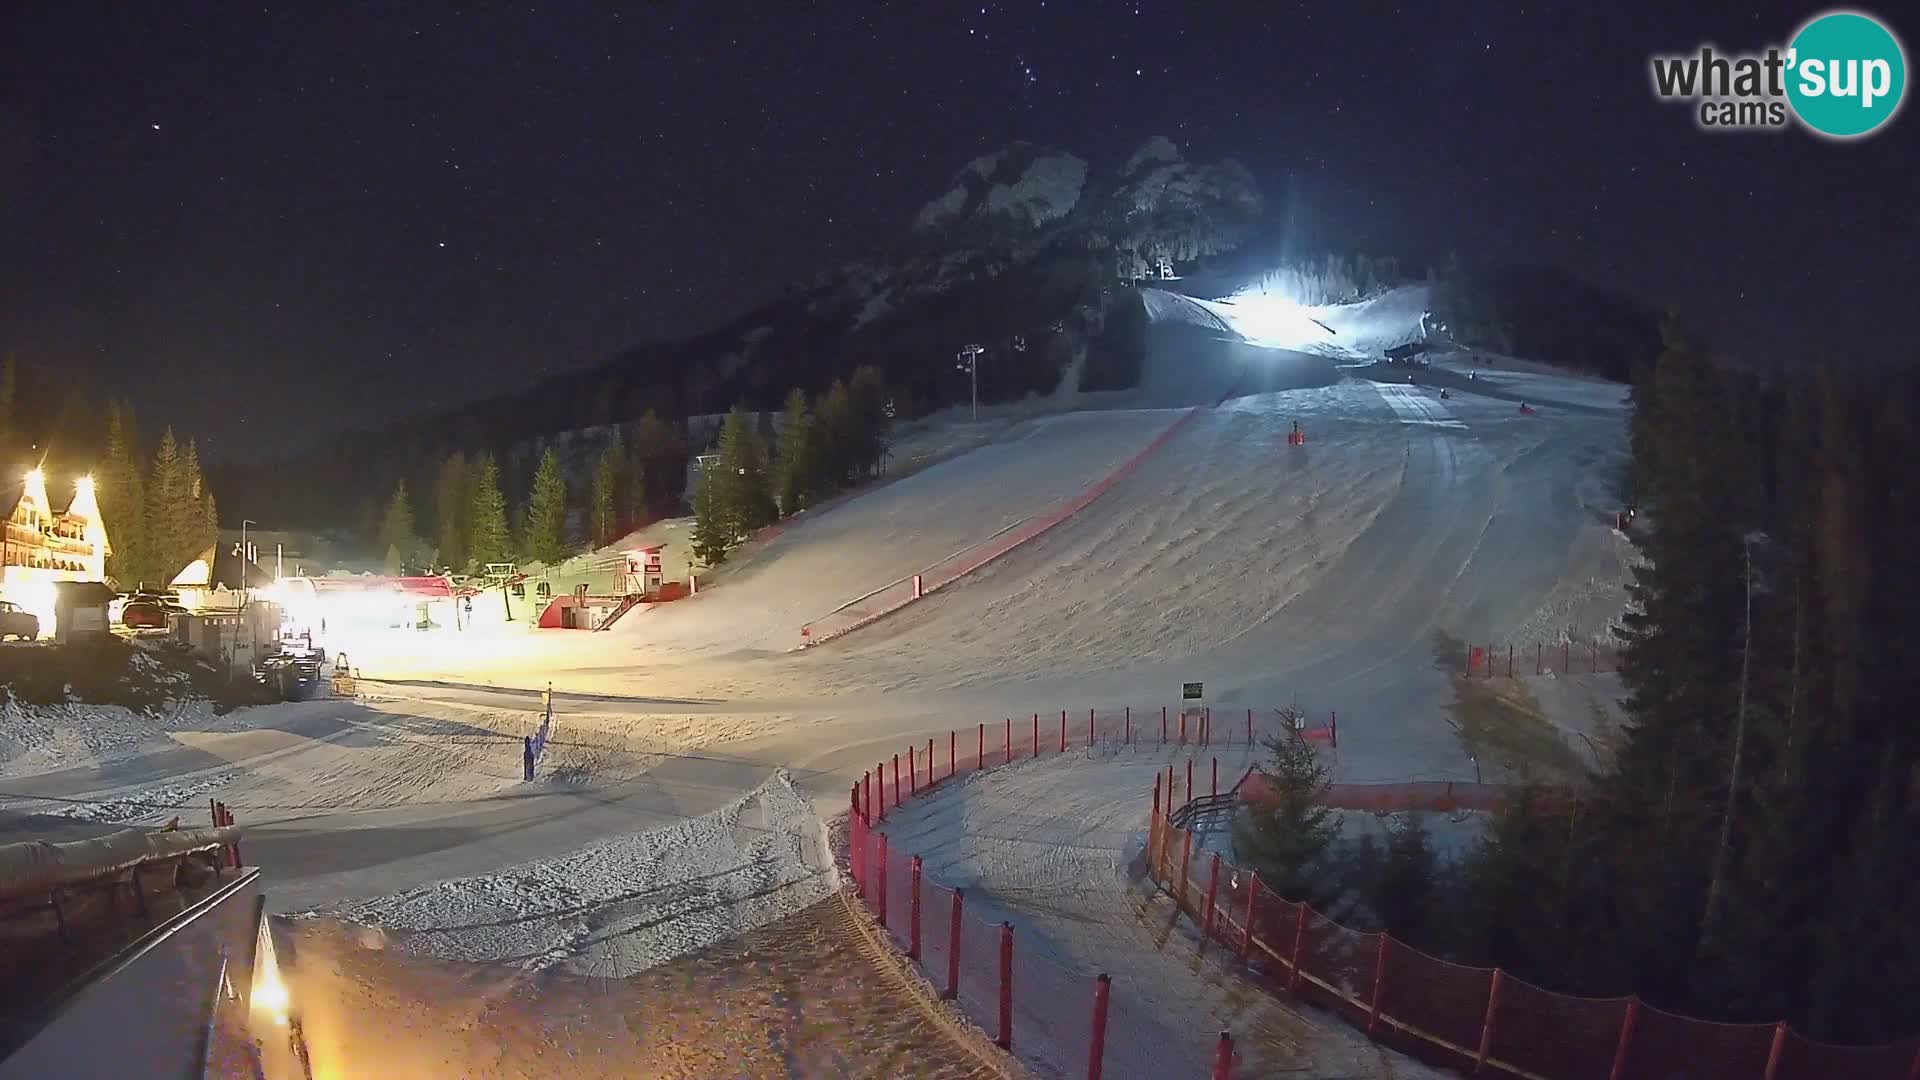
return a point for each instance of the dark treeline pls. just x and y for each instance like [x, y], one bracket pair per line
[1750, 852]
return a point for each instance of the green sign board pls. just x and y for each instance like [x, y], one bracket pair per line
[1190, 691]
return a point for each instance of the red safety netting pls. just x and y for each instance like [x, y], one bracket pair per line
[1662, 1043]
[1805, 1059]
[1556, 1035]
[1503, 660]
[1337, 966]
[1447, 1002]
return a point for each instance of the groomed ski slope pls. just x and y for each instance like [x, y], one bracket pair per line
[1319, 574]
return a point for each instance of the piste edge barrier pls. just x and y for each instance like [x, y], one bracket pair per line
[1540, 658]
[1483, 1019]
[895, 595]
[1070, 1016]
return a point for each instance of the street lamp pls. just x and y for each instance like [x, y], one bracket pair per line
[245, 590]
[970, 363]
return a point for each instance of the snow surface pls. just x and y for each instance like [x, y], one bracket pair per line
[625, 904]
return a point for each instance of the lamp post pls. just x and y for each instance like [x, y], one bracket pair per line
[970, 363]
[245, 590]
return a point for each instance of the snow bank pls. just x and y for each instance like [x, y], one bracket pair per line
[42, 738]
[626, 904]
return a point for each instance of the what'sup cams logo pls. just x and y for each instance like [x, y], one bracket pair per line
[1842, 75]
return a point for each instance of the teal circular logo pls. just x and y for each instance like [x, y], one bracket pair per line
[1846, 74]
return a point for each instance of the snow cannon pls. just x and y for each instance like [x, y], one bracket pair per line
[1296, 437]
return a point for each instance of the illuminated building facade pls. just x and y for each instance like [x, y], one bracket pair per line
[40, 547]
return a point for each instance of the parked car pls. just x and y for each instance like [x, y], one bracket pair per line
[17, 622]
[144, 613]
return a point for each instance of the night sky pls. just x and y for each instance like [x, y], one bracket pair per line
[267, 224]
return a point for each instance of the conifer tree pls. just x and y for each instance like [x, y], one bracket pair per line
[1285, 834]
[604, 504]
[398, 537]
[713, 535]
[490, 540]
[794, 467]
[740, 476]
[452, 510]
[122, 498]
[546, 520]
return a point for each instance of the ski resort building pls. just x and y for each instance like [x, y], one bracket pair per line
[42, 547]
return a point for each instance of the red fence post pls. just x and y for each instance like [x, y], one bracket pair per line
[1216, 777]
[980, 752]
[1097, 1046]
[1009, 746]
[1509, 661]
[1091, 733]
[1223, 1058]
[1183, 725]
[1333, 728]
[881, 877]
[1163, 723]
[1063, 731]
[1486, 1025]
[1153, 827]
[913, 913]
[1539, 659]
[1249, 727]
[1913, 1072]
[1620, 1049]
[1566, 656]
[1036, 735]
[930, 761]
[880, 781]
[953, 749]
[953, 949]
[1213, 893]
[1246, 937]
[1189, 791]
[1774, 1052]
[1005, 1039]
[913, 773]
[1379, 984]
[1128, 739]
[1299, 940]
[896, 779]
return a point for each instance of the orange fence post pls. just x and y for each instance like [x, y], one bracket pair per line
[1063, 731]
[1163, 723]
[1299, 940]
[1619, 1070]
[930, 760]
[896, 779]
[1774, 1052]
[1486, 1025]
[1091, 733]
[1333, 729]
[1183, 726]
[1153, 827]
[1005, 1040]
[913, 773]
[1036, 734]
[1009, 746]
[1213, 893]
[1249, 727]
[1189, 792]
[1379, 984]
[1128, 739]
[1538, 658]
[1509, 661]
[1186, 861]
[1223, 1058]
[1246, 937]
[880, 893]
[1216, 777]
[1097, 1047]
[880, 781]
[953, 949]
[980, 752]
[913, 913]
[953, 750]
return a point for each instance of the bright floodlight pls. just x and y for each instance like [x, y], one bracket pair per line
[84, 484]
[36, 477]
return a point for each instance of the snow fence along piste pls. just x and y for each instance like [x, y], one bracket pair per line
[1540, 658]
[1024, 1001]
[895, 595]
[1483, 1021]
